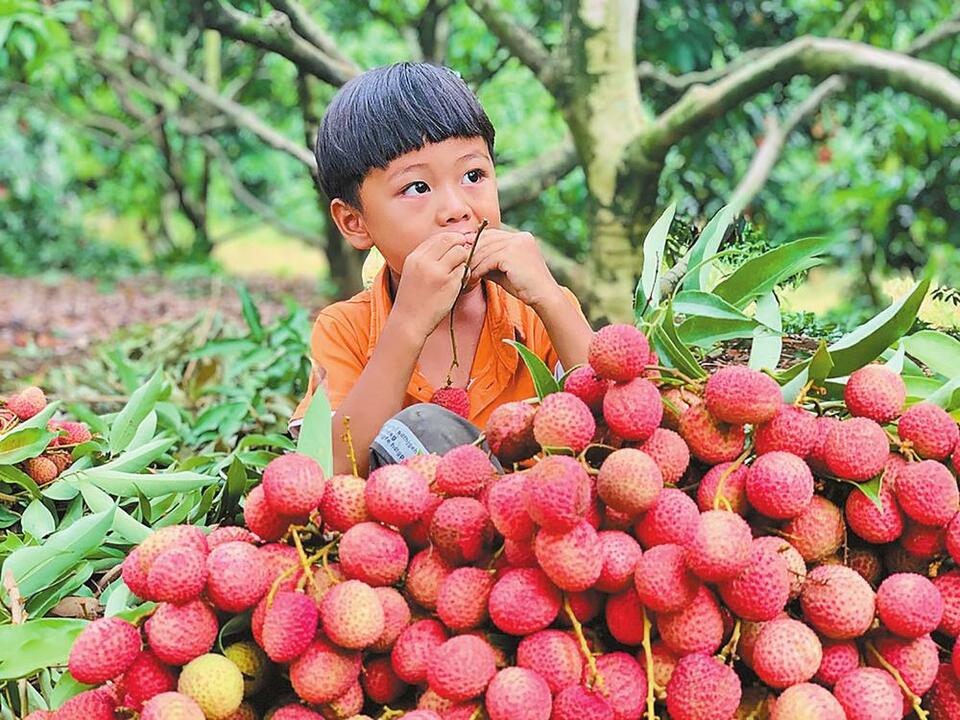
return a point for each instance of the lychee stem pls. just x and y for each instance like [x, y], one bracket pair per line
[463, 284]
[803, 393]
[347, 437]
[596, 679]
[727, 473]
[389, 714]
[729, 652]
[648, 655]
[686, 378]
[914, 700]
[304, 560]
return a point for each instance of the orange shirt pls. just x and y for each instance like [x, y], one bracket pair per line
[346, 333]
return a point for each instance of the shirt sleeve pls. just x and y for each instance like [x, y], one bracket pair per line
[543, 346]
[336, 359]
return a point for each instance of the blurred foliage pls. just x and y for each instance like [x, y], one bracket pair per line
[876, 170]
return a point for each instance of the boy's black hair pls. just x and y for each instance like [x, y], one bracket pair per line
[388, 111]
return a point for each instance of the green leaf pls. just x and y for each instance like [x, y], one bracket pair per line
[864, 344]
[36, 644]
[820, 364]
[707, 332]
[37, 520]
[273, 440]
[250, 313]
[35, 568]
[938, 351]
[696, 303]
[766, 347]
[543, 380]
[895, 362]
[23, 443]
[41, 419]
[706, 247]
[133, 531]
[670, 346]
[763, 273]
[648, 289]
[236, 484]
[871, 488]
[944, 396]
[16, 476]
[124, 484]
[137, 459]
[316, 433]
[145, 431]
[142, 401]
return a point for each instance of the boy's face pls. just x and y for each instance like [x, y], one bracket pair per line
[443, 187]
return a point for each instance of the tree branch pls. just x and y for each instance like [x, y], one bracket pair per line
[277, 34]
[518, 40]
[526, 182]
[237, 113]
[679, 83]
[818, 57]
[304, 25]
[776, 135]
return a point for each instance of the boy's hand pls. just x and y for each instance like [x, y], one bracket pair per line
[513, 261]
[430, 280]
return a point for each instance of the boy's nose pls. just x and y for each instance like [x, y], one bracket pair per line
[454, 208]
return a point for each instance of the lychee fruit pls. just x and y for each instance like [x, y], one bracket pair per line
[577, 702]
[426, 573]
[573, 559]
[796, 567]
[672, 519]
[818, 531]
[629, 481]
[178, 575]
[171, 705]
[806, 701]
[838, 602]
[949, 586]
[762, 588]
[293, 484]
[454, 399]
[396, 616]
[557, 493]
[516, 693]
[720, 546]
[675, 401]
[927, 492]
[351, 615]
[379, 680]
[669, 452]
[460, 530]
[289, 625]
[252, 662]
[625, 684]
[786, 653]
[916, 660]
[523, 601]
[740, 395]
[697, 627]
[373, 553]
[413, 649]
[618, 352]
[875, 392]
[464, 470]
[729, 485]
[792, 429]
[839, 658]
[260, 517]
[564, 421]
[396, 495]
[869, 694]
[930, 430]
[663, 581]
[702, 687]
[344, 503]
[462, 598]
[236, 576]
[952, 538]
[633, 410]
[779, 485]
[620, 553]
[461, 668]
[553, 654]
[29, 401]
[944, 697]
[509, 432]
[214, 683]
[873, 524]
[856, 449]
[507, 508]
[588, 386]
[179, 633]
[146, 677]
[41, 469]
[909, 605]
[710, 440]
[104, 649]
[230, 533]
[324, 672]
[816, 458]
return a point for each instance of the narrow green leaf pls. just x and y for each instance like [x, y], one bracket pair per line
[41, 419]
[133, 531]
[124, 484]
[763, 273]
[36, 644]
[766, 347]
[250, 313]
[543, 380]
[791, 386]
[707, 332]
[938, 351]
[678, 353]
[273, 440]
[37, 520]
[236, 484]
[897, 357]
[23, 443]
[706, 247]
[145, 431]
[36, 567]
[871, 488]
[648, 289]
[820, 364]
[865, 343]
[135, 460]
[16, 476]
[944, 396]
[142, 401]
[316, 433]
[696, 303]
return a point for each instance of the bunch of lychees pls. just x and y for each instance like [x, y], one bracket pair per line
[660, 548]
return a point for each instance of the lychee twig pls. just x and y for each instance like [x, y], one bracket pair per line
[347, 437]
[648, 655]
[729, 652]
[802, 395]
[463, 284]
[18, 616]
[914, 700]
[304, 560]
[718, 496]
[389, 714]
[596, 679]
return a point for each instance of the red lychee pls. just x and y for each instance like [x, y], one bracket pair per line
[930, 430]
[509, 432]
[875, 392]
[618, 352]
[633, 410]
[740, 395]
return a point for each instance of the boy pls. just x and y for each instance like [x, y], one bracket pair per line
[405, 155]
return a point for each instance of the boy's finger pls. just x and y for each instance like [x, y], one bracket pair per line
[440, 244]
[455, 257]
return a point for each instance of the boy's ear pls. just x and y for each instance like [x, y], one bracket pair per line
[350, 223]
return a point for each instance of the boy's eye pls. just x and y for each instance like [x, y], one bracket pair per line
[419, 188]
[475, 175]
